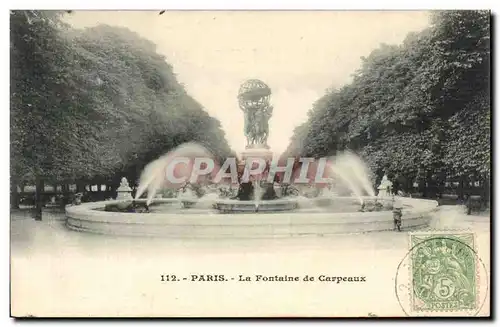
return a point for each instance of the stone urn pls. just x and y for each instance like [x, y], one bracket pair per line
[385, 187]
[124, 192]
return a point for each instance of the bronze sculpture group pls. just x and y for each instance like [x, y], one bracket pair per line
[253, 98]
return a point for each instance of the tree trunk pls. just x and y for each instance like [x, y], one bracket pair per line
[109, 190]
[486, 189]
[37, 212]
[65, 195]
[461, 188]
[422, 185]
[79, 186]
[14, 195]
[431, 185]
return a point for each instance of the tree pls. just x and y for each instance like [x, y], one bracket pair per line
[91, 105]
[42, 127]
[411, 109]
[145, 104]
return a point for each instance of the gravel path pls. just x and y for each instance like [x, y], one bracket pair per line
[58, 272]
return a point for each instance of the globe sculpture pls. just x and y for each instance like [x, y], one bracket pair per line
[253, 99]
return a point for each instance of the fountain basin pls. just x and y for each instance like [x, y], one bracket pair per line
[189, 203]
[348, 201]
[203, 223]
[235, 206]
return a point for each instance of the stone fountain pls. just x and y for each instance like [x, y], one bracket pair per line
[257, 194]
[256, 209]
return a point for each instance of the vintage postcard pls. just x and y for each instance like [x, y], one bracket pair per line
[250, 163]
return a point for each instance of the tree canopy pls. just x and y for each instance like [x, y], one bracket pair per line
[95, 103]
[419, 106]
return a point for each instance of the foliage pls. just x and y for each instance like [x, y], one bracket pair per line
[46, 132]
[95, 103]
[421, 107]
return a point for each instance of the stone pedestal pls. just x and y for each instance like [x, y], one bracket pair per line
[257, 152]
[254, 153]
[124, 192]
[248, 191]
[124, 195]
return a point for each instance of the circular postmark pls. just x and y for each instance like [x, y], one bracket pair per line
[441, 275]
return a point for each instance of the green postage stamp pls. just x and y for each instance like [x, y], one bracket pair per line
[443, 272]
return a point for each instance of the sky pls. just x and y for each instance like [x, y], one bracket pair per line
[299, 54]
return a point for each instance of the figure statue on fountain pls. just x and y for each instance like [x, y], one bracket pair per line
[253, 98]
[385, 187]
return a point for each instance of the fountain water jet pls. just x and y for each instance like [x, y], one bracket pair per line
[212, 216]
[350, 169]
[154, 176]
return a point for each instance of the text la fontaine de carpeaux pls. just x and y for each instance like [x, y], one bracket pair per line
[286, 278]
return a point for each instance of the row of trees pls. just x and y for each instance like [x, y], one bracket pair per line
[93, 105]
[419, 111]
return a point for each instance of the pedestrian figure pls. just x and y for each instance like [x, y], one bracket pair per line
[397, 214]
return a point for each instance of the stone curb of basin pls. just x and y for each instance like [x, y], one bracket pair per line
[89, 217]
